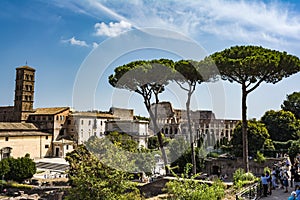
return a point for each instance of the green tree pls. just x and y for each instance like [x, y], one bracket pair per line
[120, 152]
[282, 125]
[249, 66]
[180, 163]
[154, 144]
[257, 135]
[177, 147]
[4, 167]
[191, 73]
[122, 140]
[20, 169]
[294, 150]
[148, 79]
[188, 188]
[91, 179]
[292, 103]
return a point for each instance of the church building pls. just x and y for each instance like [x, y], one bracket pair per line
[23, 129]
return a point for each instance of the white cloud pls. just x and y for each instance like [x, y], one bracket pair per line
[75, 42]
[95, 45]
[112, 29]
[239, 21]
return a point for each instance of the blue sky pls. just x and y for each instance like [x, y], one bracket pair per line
[59, 38]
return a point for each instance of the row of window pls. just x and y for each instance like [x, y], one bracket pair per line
[41, 118]
[90, 122]
[28, 77]
[25, 87]
[47, 146]
[47, 118]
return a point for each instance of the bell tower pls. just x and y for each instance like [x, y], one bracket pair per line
[24, 93]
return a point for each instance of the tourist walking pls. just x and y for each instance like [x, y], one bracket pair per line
[264, 182]
[293, 171]
[297, 179]
[274, 179]
[285, 179]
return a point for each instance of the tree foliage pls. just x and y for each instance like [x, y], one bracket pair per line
[147, 78]
[292, 103]
[91, 179]
[186, 157]
[120, 152]
[177, 147]
[4, 167]
[294, 150]
[187, 188]
[191, 73]
[249, 66]
[257, 136]
[18, 169]
[282, 125]
[154, 144]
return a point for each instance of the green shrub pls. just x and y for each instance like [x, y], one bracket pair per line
[260, 158]
[184, 188]
[213, 155]
[240, 178]
[18, 185]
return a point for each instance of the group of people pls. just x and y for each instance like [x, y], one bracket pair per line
[282, 176]
[295, 179]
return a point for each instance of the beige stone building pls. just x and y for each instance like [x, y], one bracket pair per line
[17, 139]
[54, 121]
[40, 132]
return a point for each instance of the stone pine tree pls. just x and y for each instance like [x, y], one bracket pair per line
[190, 73]
[249, 66]
[292, 103]
[148, 79]
[282, 125]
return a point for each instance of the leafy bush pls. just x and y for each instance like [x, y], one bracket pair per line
[17, 169]
[91, 179]
[213, 155]
[294, 149]
[260, 158]
[18, 185]
[240, 178]
[184, 188]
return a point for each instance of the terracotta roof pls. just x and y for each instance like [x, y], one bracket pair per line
[26, 67]
[17, 126]
[49, 111]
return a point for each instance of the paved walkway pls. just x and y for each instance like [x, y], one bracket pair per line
[279, 194]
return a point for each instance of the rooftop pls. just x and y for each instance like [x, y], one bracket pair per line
[49, 111]
[94, 114]
[26, 67]
[17, 126]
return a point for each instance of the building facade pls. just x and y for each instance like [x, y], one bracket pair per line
[173, 123]
[82, 125]
[17, 139]
[136, 129]
[48, 122]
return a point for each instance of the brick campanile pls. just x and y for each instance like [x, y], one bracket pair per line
[24, 93]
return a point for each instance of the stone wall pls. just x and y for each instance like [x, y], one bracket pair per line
[222, 166]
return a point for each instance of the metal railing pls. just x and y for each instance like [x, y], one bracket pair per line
[251, 192]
